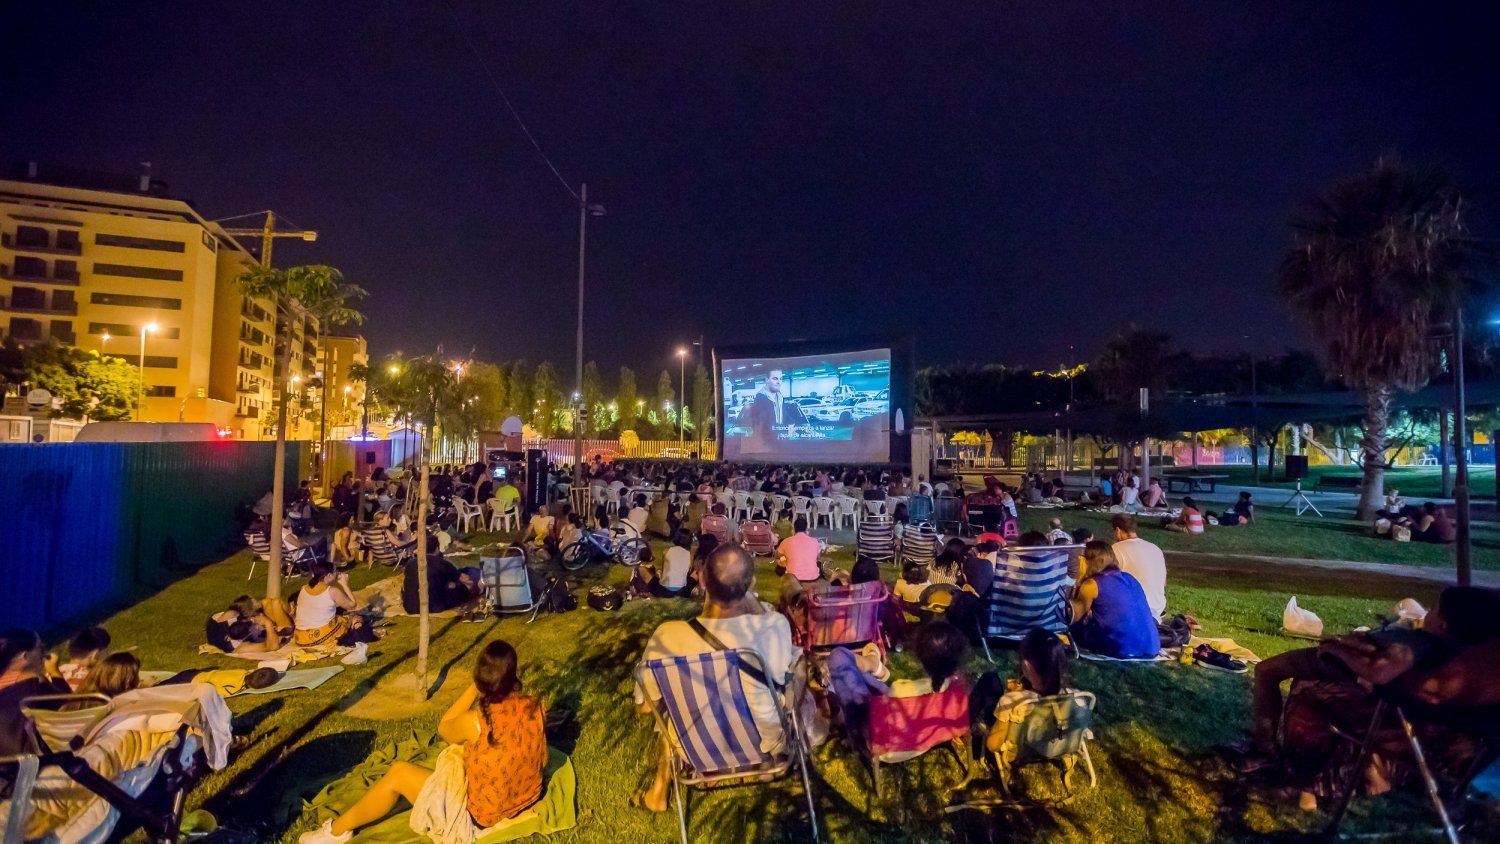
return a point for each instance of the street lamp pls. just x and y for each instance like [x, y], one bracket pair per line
[104, 343]
[148, 328]
[585, 210]
[681, 392]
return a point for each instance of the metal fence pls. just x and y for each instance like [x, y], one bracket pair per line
[87, 526]
[561, 450]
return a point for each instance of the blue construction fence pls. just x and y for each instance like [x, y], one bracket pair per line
[86, 527]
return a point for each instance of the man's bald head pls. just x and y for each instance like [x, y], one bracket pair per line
[728, 573]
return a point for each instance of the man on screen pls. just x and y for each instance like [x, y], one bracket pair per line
[770, 412]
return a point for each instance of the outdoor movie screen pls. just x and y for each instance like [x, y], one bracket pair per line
[808, 408]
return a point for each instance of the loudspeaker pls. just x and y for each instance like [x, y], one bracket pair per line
[369, 458]
[1296, 467]
[536, 479]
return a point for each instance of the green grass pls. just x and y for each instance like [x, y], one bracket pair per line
[1157, 725]
[1278, 533]
[1414, 482]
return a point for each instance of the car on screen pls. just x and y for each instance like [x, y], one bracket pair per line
[872, 406]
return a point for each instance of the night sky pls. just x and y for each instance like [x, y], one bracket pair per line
[999, 183]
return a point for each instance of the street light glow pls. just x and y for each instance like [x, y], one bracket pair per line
[682, 353]
[105, 337]
[151, 327]
[347, 389]
[393, 369]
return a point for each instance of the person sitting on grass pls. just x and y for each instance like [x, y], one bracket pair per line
[1043, 669]
[736, 619]
[1241, 513]
[1434, 526]
[114, 675]
[1465, 618]
[250, 626]
[797, 555]
[344, 551]
[1055, 534]
[1189, 520]
[323, 608]
[504, 742]
[1143, 561]
[85, 649]
[1154, 497]
[1113, 617]
[445, 587]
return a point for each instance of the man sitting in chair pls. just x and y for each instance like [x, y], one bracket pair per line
[737, 618]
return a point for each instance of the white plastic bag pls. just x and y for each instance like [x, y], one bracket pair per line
[1382, 527]
[1300, 622]
[1409, 610]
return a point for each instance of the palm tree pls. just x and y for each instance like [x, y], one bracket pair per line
[314, 291]
[1134, 359]
[1375, 264]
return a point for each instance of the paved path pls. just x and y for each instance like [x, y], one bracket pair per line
[1436, 574]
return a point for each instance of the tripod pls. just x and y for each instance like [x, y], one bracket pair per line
[1303, 502]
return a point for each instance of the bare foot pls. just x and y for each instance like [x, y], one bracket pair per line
[650, 800]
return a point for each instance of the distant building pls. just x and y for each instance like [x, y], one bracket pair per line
[85, 256]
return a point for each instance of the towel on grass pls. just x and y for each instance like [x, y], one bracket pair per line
[441, 813]
[1228, 646]
[289, 653]
[1160, 657]
[300, 678]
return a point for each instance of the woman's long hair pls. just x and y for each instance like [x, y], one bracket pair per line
[495, 677]
[1098, 558]
[116, 674]
[1048, 658]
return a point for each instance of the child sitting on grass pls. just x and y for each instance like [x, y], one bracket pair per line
[85, 649]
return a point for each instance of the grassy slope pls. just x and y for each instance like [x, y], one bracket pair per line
[1277, 533]
[1156, 727]
[1414, 482]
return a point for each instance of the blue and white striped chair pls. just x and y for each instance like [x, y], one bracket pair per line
[919, 545]
[704, 711]
[876, 538]
[1030, 591]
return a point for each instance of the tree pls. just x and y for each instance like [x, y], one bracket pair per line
[315, 291]
[592, 394]
[703, 404]
[666, 400]
[1375, 264]
[84, 383]
[519, 384]
[1134, 359]
[12, 365]
[548, 397]
[626, 398]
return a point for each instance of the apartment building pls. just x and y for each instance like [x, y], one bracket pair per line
[94, 261]
[346, 395]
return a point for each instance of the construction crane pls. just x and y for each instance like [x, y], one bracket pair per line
[267, 233]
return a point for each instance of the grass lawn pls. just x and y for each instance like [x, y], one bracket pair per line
[1414, 482]
[1278, 533]
[1157, 725]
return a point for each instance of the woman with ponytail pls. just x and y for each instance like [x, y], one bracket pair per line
[505, 751]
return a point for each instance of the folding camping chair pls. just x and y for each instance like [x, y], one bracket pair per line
[903, 728]
[846, 616]
[716, 525]
[705, 716]
[292, 559]
[507, 582]
[260, 548]
[919, 545]
[759, 539]
[56, 730]
[947, 510]
[1482, 723]
[919, 508]
[1030, 592]
[876, 538]
[381, 550]
[1056, 731]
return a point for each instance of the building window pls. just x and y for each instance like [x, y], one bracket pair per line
[68, 239]
[153, 361]
[31, 237]
[27, 267]
[62, 331]
[65, 270]
[25, 329]
[62, 300]
[120, 329]
[136, 301]
[161, 391]
[28, 297]
[127, 271]
[140, 242]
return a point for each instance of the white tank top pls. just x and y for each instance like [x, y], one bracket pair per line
[314, 611]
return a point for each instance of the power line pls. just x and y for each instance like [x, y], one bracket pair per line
[495, 83]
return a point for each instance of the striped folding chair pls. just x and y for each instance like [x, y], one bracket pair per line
[381, 550]
[846, 616]
[260, 547]
[760, 540]
[704, 712]
[1030, 591]
[877, 538]
[919, 545]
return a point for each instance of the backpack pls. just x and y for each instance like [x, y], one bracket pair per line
[557, 596]
[1174, 632]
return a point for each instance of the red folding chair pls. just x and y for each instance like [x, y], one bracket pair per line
[902, 728]
[846, 616]
[759, 539]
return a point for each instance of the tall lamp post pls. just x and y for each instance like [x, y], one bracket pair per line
[585, 211]
[1461, 453]
[140, 407]
[681, 393]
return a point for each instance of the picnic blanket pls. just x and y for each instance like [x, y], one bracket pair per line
[290, 654]
[382, 599]
[299, 678]
[441, 812]
[1161, 656]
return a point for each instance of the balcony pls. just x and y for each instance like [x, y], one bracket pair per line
[247, 412]
[67, 338]
[9, 241]
[10, 274]
[56, 308]
[248, 388]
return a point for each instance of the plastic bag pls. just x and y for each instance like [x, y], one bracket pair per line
[1300, 622]
[1401, 533]
[1409, 610]
[1382, 527]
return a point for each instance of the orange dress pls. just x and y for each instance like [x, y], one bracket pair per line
[503, 769]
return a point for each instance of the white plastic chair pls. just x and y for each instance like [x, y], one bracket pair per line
[823, 511]
[874, 507]
[848, 511]
[802, 506]
[467, 514]
[757, 502]
[725, 497]
[778, 502]
[742, 507]
[505, 518]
